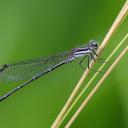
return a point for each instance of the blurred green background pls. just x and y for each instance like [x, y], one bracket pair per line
[37, 28]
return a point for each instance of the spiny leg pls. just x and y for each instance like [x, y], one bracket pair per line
[90, 57]
[80, 63]
[99, 58]
[93, 58]
[94, 53]
[89, 60]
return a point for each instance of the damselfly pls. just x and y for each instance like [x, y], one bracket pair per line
[31, 70]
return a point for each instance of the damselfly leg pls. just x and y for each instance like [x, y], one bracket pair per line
[89, 58]
[80, 62]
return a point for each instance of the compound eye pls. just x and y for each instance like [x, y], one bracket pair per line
[94, 44]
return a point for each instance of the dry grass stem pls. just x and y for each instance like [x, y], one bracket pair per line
[94, 76]
[115, 25]
[96, 87]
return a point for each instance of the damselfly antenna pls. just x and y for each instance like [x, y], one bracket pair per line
[30, 70]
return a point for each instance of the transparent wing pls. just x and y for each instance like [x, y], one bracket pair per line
[28, 69]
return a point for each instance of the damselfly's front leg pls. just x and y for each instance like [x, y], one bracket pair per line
[99, 59]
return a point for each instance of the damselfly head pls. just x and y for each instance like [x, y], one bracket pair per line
[93, 44]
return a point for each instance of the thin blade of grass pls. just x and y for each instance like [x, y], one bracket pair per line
[94, 76]
[94, 90]
[114, 26]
